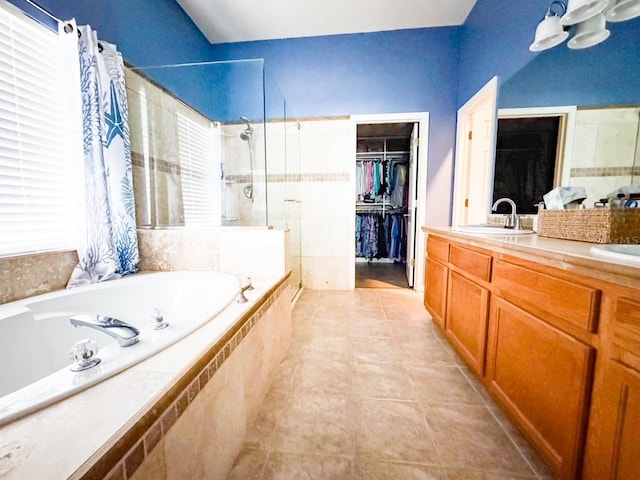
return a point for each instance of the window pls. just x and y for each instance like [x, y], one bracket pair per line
[199, 170]
[39, 164]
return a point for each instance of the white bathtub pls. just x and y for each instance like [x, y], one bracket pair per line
[36, 335]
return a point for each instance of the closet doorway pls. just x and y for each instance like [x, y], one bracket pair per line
[387, 207]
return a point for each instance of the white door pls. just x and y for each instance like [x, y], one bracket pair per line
[411, 206]
[475, 154]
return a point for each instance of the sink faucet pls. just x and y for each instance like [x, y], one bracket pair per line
[512, 221]
[124, 333]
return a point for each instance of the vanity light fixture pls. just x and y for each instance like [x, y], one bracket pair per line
[589, 33]
[550, 32]
[581, 10]
[622, 10]
[588, 18]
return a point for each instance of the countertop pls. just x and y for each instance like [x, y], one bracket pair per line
[567, 255]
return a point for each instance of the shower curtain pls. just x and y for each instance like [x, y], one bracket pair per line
[111, 245]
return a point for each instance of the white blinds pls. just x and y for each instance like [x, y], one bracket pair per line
[37, 176]
[200, 171]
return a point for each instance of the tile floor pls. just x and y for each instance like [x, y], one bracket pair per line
[370, 390]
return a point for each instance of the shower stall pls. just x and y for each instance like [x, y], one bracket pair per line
[212, 147]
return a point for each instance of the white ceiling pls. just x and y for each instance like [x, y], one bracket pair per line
[224, 21]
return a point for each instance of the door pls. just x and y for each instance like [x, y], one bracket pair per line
[542, 377]
[411, 206]
[475, 153]
[466, 319]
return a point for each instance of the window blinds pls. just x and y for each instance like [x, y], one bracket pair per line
[199, 171]
[38, 187]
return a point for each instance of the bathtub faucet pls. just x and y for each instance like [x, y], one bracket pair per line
[124, 333]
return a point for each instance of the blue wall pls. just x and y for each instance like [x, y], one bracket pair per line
[399, 71]
[371, 73]
[147, 32]
[606, 74]
[495, 40]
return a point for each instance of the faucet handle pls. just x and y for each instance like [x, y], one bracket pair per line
[83, 353]
[157, 315]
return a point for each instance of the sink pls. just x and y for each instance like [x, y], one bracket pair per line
[628, 253]
[487, 229]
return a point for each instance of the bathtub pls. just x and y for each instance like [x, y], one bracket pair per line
[36, 335]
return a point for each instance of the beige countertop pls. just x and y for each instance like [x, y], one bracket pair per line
[566, 255]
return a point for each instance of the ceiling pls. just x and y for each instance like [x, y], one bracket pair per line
[226, 21]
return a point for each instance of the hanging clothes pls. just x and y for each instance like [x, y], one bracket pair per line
[379, 236]
[399, 183]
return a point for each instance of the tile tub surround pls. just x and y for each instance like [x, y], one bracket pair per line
[370, 390]
[24, 276]
[113, 426]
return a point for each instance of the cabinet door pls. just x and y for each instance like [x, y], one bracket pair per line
[466, 321]
[542, 378]
[435, 293]
[613, 445]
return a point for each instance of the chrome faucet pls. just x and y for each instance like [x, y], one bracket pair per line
[124, 333]
[511, 221]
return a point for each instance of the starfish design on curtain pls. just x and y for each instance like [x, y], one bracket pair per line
[114, 120]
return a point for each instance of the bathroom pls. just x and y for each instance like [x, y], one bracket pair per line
[326, 80]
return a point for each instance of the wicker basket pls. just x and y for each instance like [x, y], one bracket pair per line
[597, 225]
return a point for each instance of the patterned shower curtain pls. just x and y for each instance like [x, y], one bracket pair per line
[111, 248]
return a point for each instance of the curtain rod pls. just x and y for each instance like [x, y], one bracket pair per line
[67, 27]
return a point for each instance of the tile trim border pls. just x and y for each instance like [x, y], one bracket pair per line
[292, 177]
[604, 171]
[127, 453]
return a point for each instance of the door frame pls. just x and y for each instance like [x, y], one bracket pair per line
[422, 119]
[461, 168]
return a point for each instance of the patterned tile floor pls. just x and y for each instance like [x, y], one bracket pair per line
[370, 390]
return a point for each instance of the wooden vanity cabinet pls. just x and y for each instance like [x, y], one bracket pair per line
[560, 353]
[436, 277]
[613, 442]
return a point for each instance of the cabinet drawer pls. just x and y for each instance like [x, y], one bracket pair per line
[475, 263]
[550, 298]
[438, 249]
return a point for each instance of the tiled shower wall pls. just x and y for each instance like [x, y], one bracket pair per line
[605, 151]
[309, 178]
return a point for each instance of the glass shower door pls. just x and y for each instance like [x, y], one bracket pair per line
[293, 206]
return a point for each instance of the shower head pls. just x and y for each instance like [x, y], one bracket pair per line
[247, 132]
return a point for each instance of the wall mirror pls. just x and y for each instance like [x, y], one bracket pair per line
[595, 95]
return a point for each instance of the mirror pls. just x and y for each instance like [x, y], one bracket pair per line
[601, 145]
